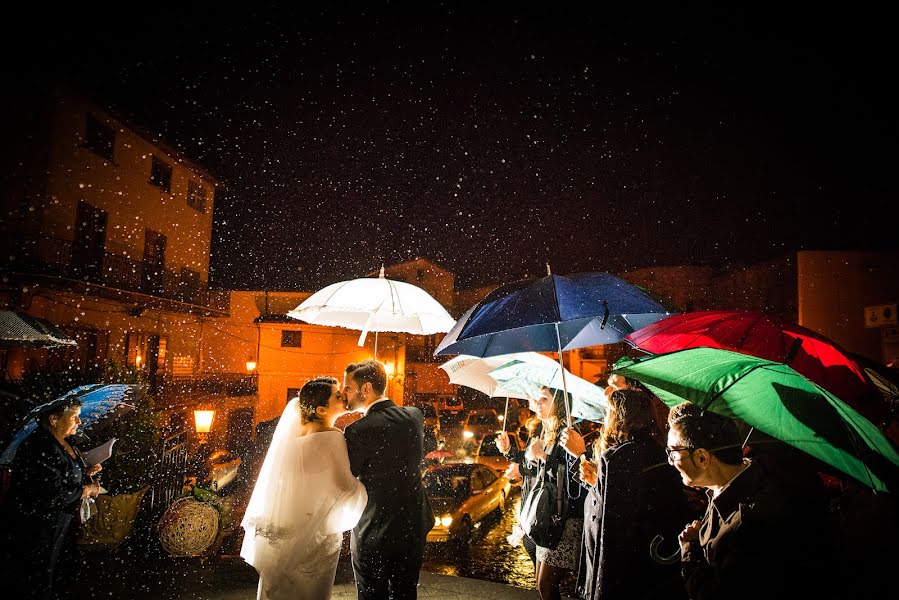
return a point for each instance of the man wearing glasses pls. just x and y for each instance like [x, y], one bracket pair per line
[755, 540]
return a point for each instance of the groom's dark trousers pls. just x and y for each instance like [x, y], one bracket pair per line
[385, 448]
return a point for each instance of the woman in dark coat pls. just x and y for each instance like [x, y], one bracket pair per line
[526, 469]
[562, 469]
[634, 498]
[47, 484]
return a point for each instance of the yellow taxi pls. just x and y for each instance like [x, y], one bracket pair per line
[461, 496]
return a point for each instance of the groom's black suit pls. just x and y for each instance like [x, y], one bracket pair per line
[385, 449]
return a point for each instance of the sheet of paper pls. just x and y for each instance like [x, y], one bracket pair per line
[97, 455]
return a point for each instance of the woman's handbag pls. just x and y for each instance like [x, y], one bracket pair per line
[543, 512]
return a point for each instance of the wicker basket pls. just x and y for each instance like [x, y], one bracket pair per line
[188, 527]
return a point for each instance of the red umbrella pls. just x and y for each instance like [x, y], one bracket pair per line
[817, 358]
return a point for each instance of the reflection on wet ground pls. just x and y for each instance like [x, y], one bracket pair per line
[488, 555]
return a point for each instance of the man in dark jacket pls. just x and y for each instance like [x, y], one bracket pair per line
[386, 448]
[758, 538]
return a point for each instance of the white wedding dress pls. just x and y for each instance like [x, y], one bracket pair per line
[304, 499]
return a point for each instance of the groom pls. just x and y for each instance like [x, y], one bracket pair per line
[385, 449]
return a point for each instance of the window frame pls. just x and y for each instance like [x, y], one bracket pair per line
[165, 184]
[96, 143]
[192, 186]
[288, 333]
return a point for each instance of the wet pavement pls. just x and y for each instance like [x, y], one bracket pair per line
[158, 577]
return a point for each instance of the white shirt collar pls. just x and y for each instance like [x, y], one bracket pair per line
[373, 403]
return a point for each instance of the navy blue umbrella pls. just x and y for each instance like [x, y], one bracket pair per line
[553, 314]
[99, 401]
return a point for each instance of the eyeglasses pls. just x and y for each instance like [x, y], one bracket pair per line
[672, 451]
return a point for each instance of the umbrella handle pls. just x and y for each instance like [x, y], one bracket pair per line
[562, 367]
[506, 414]
[793, 351]
[654, 552]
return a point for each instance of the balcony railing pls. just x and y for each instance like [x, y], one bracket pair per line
[53, 256]
[175, 391]
[422, 354]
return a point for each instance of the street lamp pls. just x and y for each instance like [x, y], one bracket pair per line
[251, 364]
[203, 418]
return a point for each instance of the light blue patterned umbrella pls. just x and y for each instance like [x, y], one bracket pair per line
[99, 402]
[530, 372]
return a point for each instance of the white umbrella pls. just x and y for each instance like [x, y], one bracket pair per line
[375, 304]
[532, 371]
[473, 372]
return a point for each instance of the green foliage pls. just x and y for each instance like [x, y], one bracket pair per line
[202, 494]
[133, 461]
[114, 372]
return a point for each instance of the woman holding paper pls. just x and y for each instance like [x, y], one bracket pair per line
[47, 485]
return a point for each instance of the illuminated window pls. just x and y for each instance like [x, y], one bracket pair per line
[182, 365]
[144, 348]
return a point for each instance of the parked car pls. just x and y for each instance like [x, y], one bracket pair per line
[432, 418]
[221, 468]
[488, 453]
[451, 405]
[515, 407]
[480, 422]
[461, 496]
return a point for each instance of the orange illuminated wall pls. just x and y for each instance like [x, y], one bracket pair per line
[257, 328]
[835, 287]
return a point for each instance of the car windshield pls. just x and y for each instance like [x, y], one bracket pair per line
[453, 402]
[489, 448]
[446, 485]
[220, 456]
[483, 419]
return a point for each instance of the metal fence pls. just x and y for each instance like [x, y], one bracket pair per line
[173, 465]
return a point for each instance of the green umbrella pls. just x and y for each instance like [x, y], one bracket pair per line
[774, 399]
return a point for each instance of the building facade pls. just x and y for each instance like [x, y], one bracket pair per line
[106, 234]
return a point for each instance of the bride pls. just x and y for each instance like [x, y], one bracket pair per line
[304, 499]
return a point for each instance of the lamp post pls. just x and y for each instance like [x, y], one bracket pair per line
[203, 418]
[251, 364]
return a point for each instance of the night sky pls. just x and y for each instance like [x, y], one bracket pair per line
[492, 141]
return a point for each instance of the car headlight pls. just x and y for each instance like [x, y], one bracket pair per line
[467, 434]
[436, 521]
[446, 520]
[500, 418]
